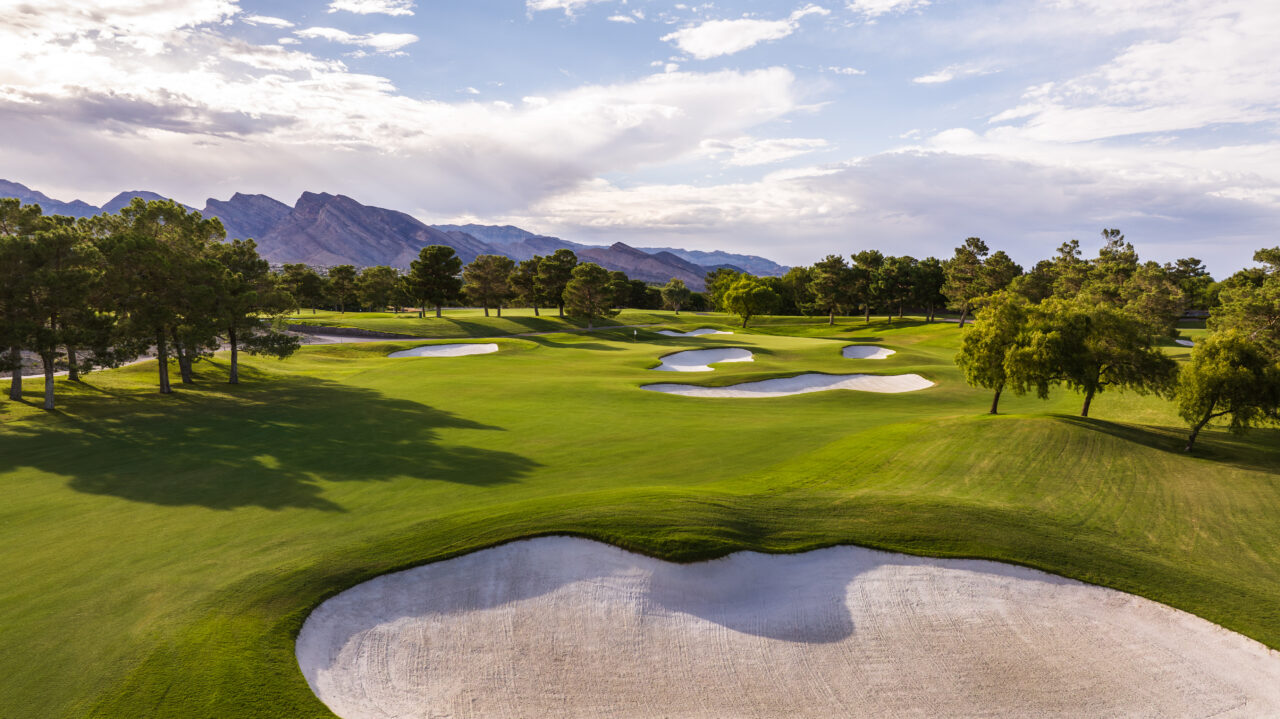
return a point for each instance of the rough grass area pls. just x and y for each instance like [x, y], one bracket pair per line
[159, 553]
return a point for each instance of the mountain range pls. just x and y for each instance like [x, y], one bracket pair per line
[324, 230]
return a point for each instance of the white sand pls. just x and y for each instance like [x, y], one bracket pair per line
[693, 333]
[802, 384]
[458, 350]
[866, 352]
[565, 627]
[699, 360]
[1185, 343]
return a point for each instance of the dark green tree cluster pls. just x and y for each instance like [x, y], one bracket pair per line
[1093, 325]
[101, 291]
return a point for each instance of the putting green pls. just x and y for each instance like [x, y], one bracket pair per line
[160, 553]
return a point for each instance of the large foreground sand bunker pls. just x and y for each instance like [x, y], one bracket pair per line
[802, 384]
[701, 360]
[566, 627]
[455, 350]
[694, 333]
[866, 352]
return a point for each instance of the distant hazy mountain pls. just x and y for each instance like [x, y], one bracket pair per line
[326, 230]
[28, 196]
[753, 264]
[123, 199]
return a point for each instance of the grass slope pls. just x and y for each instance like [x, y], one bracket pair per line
[160, 553]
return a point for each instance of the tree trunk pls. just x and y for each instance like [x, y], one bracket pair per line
[964, 313]
[831, 316]
[486, 310]
[437, 311]
[15, 387]
[677, 311]
[73, 371]
[1088, 399]
[235, 356]
[47, 360]
[561, 308]
[162, 352]
[1195, 431]
[867, 308]
[499, 310]
[899, 310]
[535, 310]
[744, 322]
[995, 401]
[183, 353]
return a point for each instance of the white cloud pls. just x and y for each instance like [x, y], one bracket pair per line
[875, 8]
[383, 42]
[750, 151]
[1220, 67]
[845, 70]
[371, 7]
[951, 72]
[726, 37]
[266, 20]
[469, 91]
[622, 18]
[568, 6]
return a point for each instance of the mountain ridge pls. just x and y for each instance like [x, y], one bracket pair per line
[324, 229]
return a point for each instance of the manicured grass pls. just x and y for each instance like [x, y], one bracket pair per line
[160, 552]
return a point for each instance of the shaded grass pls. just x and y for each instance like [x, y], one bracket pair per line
[162, 552]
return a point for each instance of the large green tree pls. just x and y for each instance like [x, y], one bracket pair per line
[247, 293]
[1229, 375]
[718, 282]
[929, 277]
[342, 284]
[18, 222]
[305, 285]
[1089, 348]
[987, 344]
[675, 294]
[524, 282]
[749, 297]
[898, 281]
[554, 273]
[965, 279]
[589, 293]
[867, 285]
[829, 284]
[380, 287]
[434, 278]
[159, 279]
[487, 281]
[1252, 304]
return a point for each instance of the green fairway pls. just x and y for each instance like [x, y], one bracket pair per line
[160, 553]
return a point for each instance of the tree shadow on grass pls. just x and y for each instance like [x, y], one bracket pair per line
[1257, 450]
[269, 443]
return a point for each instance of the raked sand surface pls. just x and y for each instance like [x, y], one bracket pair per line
[693, 333]
[1185, 343]
[801, 384]
[567, 627]
[866, 352]
[700, 360]
[453, 350]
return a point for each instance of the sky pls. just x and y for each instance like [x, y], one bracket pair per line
[792, 130]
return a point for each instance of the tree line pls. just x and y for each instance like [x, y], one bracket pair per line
[102, 291]
[1093, 325]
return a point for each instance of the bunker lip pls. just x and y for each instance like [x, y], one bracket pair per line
[694, 333]
[1184, 343]
[700, 360]
[871, 352]
[449, 350]
[801, 384]
[570, 627]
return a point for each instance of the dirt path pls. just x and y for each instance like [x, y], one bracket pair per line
[567, 627]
